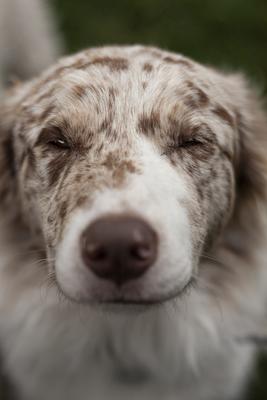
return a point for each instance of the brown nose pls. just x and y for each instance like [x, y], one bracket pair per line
[119, 248]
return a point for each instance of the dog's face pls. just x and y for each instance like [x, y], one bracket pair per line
[126, 162]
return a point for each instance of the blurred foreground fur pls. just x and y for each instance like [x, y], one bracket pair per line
[28, 44]
[28, 39]
[151, 134]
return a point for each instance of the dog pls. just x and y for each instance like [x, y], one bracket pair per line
[133, 229]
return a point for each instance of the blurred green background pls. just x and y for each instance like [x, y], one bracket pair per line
[230, 34]
[226, 33]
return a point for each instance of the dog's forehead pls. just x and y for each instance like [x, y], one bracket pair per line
[133, 88]
[140, 79]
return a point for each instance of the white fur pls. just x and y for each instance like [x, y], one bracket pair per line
[142, 196]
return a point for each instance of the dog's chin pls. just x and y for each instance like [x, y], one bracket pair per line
[122, 303]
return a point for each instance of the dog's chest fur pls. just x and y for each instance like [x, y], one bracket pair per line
[63, 352]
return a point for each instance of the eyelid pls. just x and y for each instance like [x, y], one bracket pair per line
[183, 143]
[191, 141]
[187, 142]
[53, 135]
[59, 142]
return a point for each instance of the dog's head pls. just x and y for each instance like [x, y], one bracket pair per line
[130, 162]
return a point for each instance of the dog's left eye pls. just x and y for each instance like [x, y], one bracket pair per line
[186, 143]
[190, 143]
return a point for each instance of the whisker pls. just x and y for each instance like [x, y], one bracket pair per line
[213, 259]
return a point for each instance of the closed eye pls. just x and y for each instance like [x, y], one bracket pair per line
[185, 143]
[59, 143]
[53, 137]
[190, 142]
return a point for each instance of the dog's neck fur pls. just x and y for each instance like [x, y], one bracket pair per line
[118, 348]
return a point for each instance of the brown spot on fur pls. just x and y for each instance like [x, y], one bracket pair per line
[185, 63]
[78, 178]
[112, 92]
[144, 85]
[110, 161]
[105, 124]
[54, 75]
[147, 67]
[170, 60]
[79, 91]
[119, 168]
[55, 167]
[63, 209]
[118, 177]
[113, 63]
[81, 201]
[97, 109]
[224, 115]
[180, 61]
[129, 166]
[149, 123]
[203, 97]
[197, 97]
[120, 172]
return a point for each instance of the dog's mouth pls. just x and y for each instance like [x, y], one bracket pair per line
[176, 293]
[121, 300]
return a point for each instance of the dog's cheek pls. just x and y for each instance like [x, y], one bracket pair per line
[218, 201]
[213, 192]
[71, 193]
[35, 195]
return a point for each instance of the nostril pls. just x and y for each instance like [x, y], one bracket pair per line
[119, 248]
[141, 252]
[94, 251]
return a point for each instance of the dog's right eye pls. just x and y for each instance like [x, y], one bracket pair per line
[59, 143]
[54, 138]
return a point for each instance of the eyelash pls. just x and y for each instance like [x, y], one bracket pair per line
[185, 144]
[176, 146]
[59, 143]
[191, 142]
[62, 144]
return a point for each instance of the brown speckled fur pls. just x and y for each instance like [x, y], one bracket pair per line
[207, 126]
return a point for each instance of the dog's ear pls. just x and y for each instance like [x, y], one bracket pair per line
[251, 165]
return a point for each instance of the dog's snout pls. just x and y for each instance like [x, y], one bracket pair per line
[119, 248]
